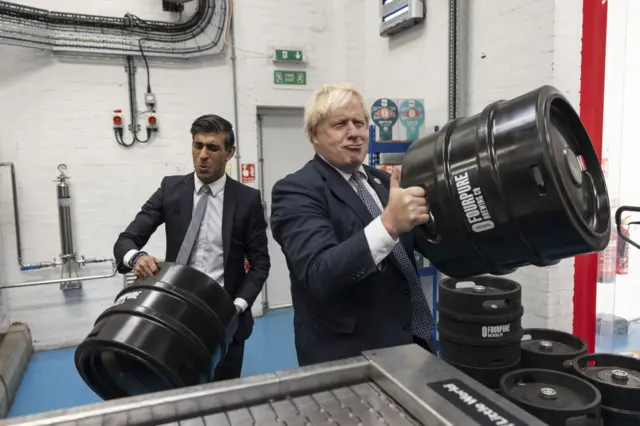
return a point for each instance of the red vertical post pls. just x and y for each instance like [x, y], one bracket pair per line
[594, 47]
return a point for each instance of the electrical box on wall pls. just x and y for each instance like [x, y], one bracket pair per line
[174, 5]
[399, 15]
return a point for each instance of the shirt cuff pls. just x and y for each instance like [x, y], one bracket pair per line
[380, 242]
[128, 256]
[241, 303]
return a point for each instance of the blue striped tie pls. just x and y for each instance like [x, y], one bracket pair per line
[422, 320]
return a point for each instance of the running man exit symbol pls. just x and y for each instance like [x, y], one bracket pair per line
[287, 55]
[294, 78]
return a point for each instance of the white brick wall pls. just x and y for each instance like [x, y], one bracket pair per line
[58, 111]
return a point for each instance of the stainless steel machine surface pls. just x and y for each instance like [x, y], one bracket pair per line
[395, 386]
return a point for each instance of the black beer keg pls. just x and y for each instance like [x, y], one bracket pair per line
[479, 326]
[162, 332]
[549, 349]
[517, 184]
[617, 377]
[556, 398]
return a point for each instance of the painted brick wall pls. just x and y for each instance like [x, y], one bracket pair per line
[59, 111]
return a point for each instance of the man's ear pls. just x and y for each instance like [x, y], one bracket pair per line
[230, 152]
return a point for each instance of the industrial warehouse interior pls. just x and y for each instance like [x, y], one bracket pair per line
[485, 271]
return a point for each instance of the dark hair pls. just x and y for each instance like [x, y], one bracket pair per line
[212, 123]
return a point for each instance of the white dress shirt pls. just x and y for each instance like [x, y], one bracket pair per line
[208, 251]
[380, 242]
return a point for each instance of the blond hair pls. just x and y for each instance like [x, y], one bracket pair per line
[326, 100]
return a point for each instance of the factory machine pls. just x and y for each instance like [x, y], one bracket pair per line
[517, 184]
[394, 386]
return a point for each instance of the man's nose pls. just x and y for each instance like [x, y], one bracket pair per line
[352, 130]
[203, 154]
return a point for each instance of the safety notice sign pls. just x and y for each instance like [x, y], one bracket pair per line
[248, 173]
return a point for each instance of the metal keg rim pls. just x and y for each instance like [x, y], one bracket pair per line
[481, 318]
[579, 366]
[548, 96]
[513, 375]
[90, 350]
[548, 335]
[449, 285]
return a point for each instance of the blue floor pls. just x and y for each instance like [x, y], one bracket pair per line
[51, 381]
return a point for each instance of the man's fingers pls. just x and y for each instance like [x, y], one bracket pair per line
[417, 191]
[422, 210]
[422, 219]
[395, 179]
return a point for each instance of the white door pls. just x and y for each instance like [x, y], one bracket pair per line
[285, 149]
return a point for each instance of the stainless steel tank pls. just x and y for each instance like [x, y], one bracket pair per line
[64, 215]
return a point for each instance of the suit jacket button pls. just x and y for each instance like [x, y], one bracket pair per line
[405, 292]
[406, 327]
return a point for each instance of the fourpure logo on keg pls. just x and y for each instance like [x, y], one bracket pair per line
[129, 296]
[494, 331]
[473, 204]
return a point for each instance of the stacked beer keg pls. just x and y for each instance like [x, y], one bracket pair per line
[480, 326]
[546, 372]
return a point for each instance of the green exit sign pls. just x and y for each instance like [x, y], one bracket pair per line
[288, 55]
[292, 78]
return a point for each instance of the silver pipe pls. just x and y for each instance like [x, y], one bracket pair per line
[234, 73]
[265, 289]
[462, 37]
[453, 59]
[16, 224]
[82, 261]
[114, 270]
[54, 263]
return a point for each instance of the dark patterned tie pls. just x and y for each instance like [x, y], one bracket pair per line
[422, 321]
[194, 227]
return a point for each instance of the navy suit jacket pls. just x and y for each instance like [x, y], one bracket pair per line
[243, 234]
[343, 304]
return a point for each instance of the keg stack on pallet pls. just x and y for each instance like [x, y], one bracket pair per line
[546, 372]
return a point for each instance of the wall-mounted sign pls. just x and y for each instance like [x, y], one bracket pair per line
[292, 78]
[288, 55]
[248, 174]
[384, 114]
[399, 119]
[412, 117]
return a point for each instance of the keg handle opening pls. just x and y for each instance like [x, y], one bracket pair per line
[494, 305]
[619, 212]
[536, 174]
[429, 229]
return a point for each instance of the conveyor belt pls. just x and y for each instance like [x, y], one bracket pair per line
[401, 386]
[362, 404]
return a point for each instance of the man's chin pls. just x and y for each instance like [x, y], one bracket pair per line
[357, 159]
[205, 176]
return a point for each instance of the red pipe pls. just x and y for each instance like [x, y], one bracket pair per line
[594, 46]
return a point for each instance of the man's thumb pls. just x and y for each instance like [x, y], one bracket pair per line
[395, 178]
